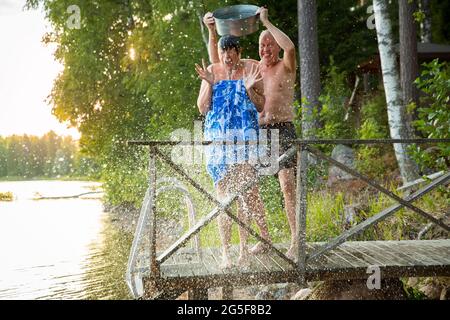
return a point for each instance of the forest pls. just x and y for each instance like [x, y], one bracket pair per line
[50, 156]
[366, 70]
[129, 74]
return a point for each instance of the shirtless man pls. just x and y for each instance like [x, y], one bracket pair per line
[279, 76]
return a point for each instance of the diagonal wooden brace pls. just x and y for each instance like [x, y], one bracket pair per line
[390, 194]
[445, 179]
[221, 207]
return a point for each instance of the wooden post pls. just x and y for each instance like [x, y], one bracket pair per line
[300, 211]
[366, 82]
[154, 267]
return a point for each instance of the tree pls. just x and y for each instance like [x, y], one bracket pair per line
[343, 34]
[3, 158]
[434, 114]
[409, 62]
[395, 107]
[14, 163]
[440, 17]
[425, 26]
[309, 64]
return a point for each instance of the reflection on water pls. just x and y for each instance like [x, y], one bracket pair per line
[54, 249]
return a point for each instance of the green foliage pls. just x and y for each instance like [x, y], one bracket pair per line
[374, 108]
[368, 154]
[129, 72]
[3, 158]
[374, 126]
[125, 182]
[419, 16]
[47, 156]
[440, 12]
[434, 115]
[326, 215]
[415, 294]
[343, 34]
[324, 219]
[337, 124]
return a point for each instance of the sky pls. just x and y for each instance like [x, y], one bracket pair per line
[27, 72]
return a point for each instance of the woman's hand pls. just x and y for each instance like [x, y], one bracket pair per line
[209, 21]
[253, 77]
[204, 74]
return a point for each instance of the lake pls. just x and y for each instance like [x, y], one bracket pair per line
[58, 249]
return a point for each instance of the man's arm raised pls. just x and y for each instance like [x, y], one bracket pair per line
[289, 58]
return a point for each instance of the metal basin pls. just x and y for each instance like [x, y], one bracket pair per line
[238, 20]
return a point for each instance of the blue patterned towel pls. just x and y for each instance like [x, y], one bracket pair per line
[232, 117]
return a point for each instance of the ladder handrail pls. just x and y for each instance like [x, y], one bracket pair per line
[135, 283]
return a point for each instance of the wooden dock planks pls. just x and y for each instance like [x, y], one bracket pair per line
[349, 260]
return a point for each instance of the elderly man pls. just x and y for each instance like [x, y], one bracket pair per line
[279, 76]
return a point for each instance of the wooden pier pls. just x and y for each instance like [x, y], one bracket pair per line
[167, 275]
[352, 260]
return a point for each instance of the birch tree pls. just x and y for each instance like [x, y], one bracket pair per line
[391, 80]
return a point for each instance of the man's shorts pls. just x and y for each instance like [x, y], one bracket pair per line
[286, 133]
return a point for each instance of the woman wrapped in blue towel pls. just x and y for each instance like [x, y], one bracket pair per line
[231, 95]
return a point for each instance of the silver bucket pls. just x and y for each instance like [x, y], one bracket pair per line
[238, 20]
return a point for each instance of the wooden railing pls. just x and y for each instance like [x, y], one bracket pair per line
[301, 148]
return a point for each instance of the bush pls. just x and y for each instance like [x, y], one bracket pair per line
[333, 114]
[374, 109]
[434, 115]
[374, 126]
[367, 155]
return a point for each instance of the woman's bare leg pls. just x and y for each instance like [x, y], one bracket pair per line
[243, 216]
[254, 206]
[224, 223]
[257, 211]
[287, 183]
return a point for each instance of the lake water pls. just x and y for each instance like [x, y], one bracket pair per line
[53, 249]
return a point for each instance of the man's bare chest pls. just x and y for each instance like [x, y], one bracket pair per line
[276, 81]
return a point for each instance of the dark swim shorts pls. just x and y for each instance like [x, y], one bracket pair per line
[287, 133]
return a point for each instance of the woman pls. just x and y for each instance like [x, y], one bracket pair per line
[231, 95]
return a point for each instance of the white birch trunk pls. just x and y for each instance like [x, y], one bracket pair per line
[391, 80]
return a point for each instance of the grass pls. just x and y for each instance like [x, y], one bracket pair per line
[325, 220]
[326, 217]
